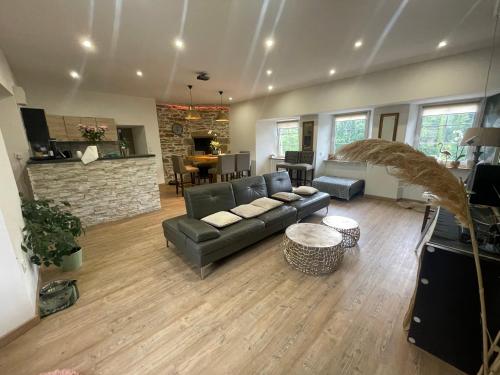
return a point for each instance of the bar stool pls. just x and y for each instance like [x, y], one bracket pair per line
[305, 165]
[226, 167]
[242, 164]
[291, 158]
[181, 169]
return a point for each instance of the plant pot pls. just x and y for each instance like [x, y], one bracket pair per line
[455, 164]
[72, 262]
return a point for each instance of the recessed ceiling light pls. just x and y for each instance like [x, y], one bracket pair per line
[270, 88]
[139, 73]
[87, 44]
[74, 74]
[179, 43]
[269, 72]
[442, 44]
[331, 72]
[230, 98]
[358, 43]
[269, 43]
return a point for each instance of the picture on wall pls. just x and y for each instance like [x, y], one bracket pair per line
[491, 117]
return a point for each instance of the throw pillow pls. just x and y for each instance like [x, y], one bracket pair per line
[221, 219]
[248, 211]
[286, 197]
[266, 203]
[305, 190]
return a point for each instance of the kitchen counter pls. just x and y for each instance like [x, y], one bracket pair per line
[69, 160]
[105, 190]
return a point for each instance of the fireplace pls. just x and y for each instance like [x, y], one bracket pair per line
[203, 144]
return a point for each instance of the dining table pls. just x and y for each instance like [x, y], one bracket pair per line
[204, 163]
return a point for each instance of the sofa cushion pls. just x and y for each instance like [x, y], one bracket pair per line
[247, 211]
[277, 181]
[207, 199]
[305, 190]
[221, 219]
[280, 215]
[232, 237]
[308, 205]
[286, 197]
[267, 203]
[197, 230]
[249, 189]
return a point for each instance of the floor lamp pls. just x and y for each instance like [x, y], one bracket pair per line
[479, 137]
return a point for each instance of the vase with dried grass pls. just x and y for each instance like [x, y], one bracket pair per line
[414, 167]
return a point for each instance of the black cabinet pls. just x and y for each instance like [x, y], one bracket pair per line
[446, 316]
[35, 124]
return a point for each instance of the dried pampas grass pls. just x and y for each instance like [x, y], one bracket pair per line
[412, 167]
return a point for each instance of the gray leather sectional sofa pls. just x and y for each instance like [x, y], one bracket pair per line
[203, 244]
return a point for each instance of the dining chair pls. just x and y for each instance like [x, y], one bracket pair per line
[304, 168]
[180, 169]
[243, 164]
[226, 167]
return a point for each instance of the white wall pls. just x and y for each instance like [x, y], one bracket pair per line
[456, 75]
[16, 142]
[18, 278]
[7, 80]
[126, 110]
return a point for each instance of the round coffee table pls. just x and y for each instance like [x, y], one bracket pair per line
[347, 226]
[313, 248]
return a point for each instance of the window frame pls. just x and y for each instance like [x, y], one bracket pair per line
[278, 138]
[367, 113]
[477, 121]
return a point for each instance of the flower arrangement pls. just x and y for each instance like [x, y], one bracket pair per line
[459, 151]
[215, 145]
[93, 133]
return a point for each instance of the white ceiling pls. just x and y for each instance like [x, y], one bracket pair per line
[225, 37]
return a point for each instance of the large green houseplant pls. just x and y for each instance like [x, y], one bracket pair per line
[50, 233]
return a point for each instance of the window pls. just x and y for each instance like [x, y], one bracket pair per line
[349, 128]
[288, 137]
[442, 129]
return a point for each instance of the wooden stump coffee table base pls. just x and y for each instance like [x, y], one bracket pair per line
[313, 248]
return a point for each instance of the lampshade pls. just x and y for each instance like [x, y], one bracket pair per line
[191, 114]
[481, 137]
[221, 116]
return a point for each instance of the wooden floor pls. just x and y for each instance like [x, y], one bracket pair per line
[142, 310]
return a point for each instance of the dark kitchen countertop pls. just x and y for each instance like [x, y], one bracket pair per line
[69, 160]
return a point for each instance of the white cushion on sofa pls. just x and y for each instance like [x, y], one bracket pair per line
[248, 211]
[266, 203]
[286, 196]
[221, 219]
[305, 190]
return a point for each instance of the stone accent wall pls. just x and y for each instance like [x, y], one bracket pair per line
[172, 144]
[101, 191]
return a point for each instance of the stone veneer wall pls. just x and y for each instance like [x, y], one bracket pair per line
[172, 144]
[101, 191]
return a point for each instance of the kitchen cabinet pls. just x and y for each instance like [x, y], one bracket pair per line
[57, 129]
[112, 133]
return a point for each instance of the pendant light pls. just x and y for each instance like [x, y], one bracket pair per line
[192, 114]
[222, 115]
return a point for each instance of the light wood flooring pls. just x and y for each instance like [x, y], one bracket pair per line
[142, 310]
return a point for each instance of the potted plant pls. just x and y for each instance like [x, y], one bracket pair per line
[50, 234]
[93, 134]
[459, 151]
[215, 146]
[124, 150]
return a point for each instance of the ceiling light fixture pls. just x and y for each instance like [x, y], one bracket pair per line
[269, 72]
[139, 73]
[87, 44]
[230, 98]
[331, 72]
[270, 88]
[442, 44]
[269, 43]
[222, 115]
[192, 114]
[179, 43]
[74, 74]
[358, 43]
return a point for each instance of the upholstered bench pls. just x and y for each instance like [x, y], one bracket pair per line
[339, 187]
